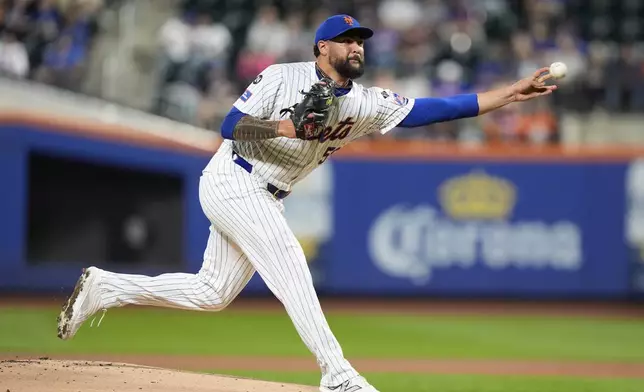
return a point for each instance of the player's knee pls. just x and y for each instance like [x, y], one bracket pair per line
[206, 296]
[210, 297]
[212, 303]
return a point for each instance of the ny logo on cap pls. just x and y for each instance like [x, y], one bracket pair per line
[348, 20]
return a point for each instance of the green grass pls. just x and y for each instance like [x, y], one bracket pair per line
[388, 382]
[155, 331]
[142, 330]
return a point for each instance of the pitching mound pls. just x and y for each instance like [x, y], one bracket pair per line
[74, 376]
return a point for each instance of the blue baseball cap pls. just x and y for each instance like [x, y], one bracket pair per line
[340, 24]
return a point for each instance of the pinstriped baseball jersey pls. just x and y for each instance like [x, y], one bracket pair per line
[284, 161]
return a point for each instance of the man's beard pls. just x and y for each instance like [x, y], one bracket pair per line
[346, 69]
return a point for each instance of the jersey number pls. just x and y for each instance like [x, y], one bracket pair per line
[327, 153]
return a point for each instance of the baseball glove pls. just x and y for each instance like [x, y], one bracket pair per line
[310, 115]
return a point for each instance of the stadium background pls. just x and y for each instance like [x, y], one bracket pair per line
[110, 109]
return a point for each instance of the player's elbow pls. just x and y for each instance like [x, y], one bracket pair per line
[230, 121]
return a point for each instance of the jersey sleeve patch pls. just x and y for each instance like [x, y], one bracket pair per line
[393, 97]
[246, 95]
[400, 100]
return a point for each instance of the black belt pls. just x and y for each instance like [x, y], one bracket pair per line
[244, 164]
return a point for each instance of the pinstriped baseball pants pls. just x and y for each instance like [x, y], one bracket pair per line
[248, 233]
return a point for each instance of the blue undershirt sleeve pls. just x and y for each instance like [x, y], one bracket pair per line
[432, 110]
[231, 119]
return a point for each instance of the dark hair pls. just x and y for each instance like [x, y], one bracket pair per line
[316, 50]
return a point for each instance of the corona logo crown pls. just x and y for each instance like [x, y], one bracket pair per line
[477, 196]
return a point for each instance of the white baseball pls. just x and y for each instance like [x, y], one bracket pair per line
[558, 70]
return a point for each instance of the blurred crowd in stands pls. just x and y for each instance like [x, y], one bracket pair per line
[211, 49]
[47, 40]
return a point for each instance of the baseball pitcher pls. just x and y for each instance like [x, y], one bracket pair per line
[288, 121]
